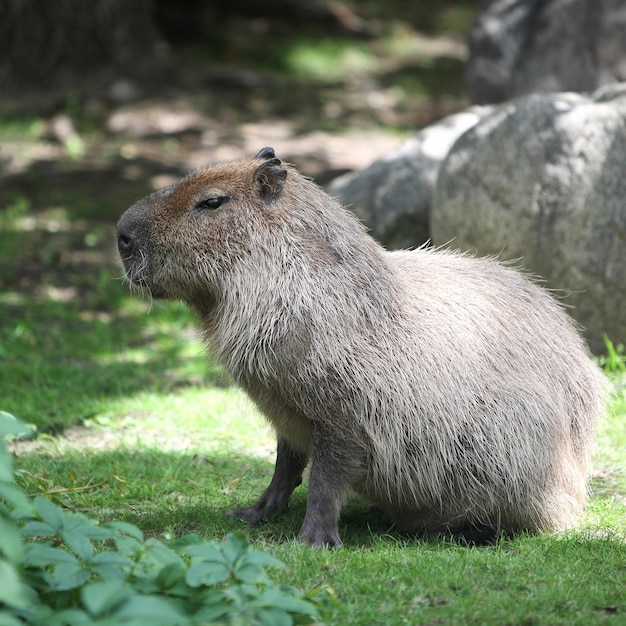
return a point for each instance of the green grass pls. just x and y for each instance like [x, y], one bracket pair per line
[378, 577]
[328, 59]
[19, 127]
[70, 365]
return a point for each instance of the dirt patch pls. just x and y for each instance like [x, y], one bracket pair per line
[97, 439]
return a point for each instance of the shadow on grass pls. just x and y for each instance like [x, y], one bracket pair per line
[71, 337]
[170, 494]
[87, 191]
[60, 364]
[441, 78]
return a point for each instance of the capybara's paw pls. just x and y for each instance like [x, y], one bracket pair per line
[320, 537]
[251, 514]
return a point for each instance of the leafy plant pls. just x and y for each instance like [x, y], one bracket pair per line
[62, 568]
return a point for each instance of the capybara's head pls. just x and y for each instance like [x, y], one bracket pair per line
[177, 241]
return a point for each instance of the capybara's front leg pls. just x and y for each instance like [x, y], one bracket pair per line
[290, 464]
[336, 464]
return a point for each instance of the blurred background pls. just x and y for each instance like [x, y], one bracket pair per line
[102, 102]
[168, 85]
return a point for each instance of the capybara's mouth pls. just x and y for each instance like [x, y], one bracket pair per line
[152, 289]
[139, 280]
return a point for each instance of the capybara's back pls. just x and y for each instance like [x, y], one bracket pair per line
[449, 390]
[499, 422]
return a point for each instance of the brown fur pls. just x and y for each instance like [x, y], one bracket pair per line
[451, 391]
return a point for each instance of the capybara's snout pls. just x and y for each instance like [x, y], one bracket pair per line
[125, 244]
[133, 246]
[129, 231]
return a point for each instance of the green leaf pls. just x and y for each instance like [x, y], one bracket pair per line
[153, 558]
[127, 529]
[112, 558]
[145, 584]
[79, 544]
[205, 552]
[36, 577]
[274, 617]
[278, 598]
[182, 590]
[250, 574]
[10, 425]
[161, 553]
[49, 512]
[7, 619]
[38, 529]
[22, 515]
[206, 573]
[234, 548]
[69, 576]
[38, 555]
[128, 546]
[12, 591]
[241, 595]
[214, 612]
[13, 495]
[186, 541]
[170, 575]
[151, 610]
[6, 465]
[262, 559]
[110, 572]
[102, 598]
[10, 541]
[251, 568]
[68, 617]
[77, 523]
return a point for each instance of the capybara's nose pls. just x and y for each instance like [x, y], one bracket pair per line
[125, 243]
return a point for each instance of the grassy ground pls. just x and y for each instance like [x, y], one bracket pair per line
[154, 434]
[137, 424]
[172, 458]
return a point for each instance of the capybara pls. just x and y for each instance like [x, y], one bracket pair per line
[451, 392]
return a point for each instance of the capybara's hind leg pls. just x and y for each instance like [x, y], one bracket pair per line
[290, 464]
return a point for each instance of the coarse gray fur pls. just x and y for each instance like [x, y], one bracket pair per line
[451, 391]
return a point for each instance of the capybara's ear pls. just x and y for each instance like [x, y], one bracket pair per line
[265, 153]
[270, 178]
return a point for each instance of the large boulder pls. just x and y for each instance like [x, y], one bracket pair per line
[393, 195]
[543, 179]
[545, 46]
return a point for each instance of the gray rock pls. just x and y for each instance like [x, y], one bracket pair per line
[543, 179]
[393, 195]
[542, 46]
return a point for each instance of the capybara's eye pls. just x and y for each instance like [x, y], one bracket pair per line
[211, 203]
